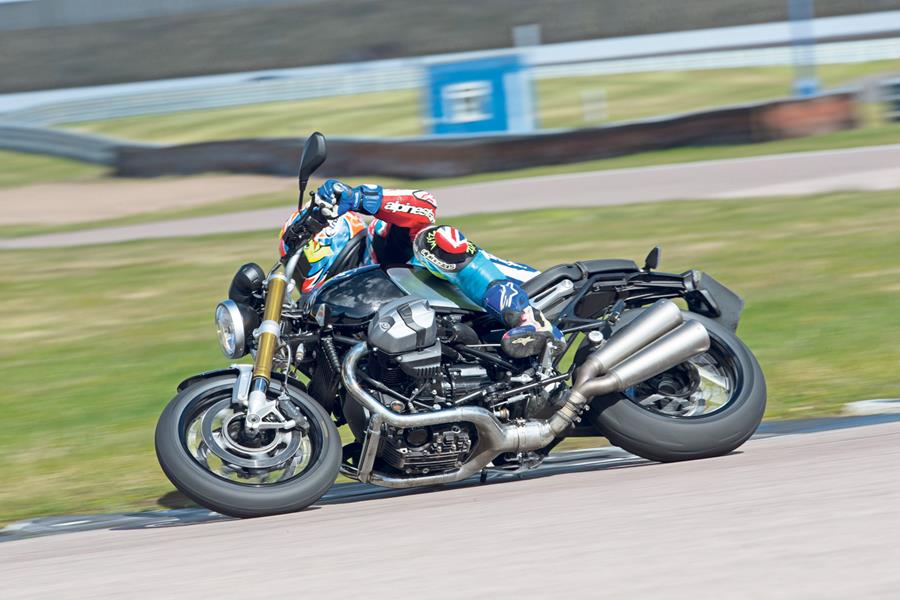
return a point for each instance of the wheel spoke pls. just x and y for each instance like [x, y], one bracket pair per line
[709, 388]
[709, 375]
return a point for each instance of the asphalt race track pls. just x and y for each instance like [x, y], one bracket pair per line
[792, 515]
[812, 515]
[871, 168]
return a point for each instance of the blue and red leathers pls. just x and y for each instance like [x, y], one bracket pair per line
[404, 231]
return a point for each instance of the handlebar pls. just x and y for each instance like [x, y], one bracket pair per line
[300, 233]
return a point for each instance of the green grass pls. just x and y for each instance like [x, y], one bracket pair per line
[628, 96]
[20, 168]
[96, 338]
[376, 114]
[631, 96]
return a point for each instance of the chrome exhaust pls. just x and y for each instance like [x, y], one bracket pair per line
[652, 343]
[687, 341]
[661, 318]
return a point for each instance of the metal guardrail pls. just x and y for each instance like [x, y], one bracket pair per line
[315, 82]
[827, 53]
[78, 146]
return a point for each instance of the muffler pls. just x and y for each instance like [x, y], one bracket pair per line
[654, 342]
[661, 318]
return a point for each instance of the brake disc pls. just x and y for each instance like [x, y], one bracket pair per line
[273, 452]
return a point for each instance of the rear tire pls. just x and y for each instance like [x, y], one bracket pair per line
[238, 499]
[662, 438]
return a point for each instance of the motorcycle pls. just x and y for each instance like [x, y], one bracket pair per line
[415, 372]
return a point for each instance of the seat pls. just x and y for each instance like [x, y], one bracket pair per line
[551, 277]
[577, 271]
[609, 265]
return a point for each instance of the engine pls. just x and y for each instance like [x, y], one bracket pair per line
[427, 450]
[403, 336]
[407, 357]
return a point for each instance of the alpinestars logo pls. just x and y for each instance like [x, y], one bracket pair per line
[430, 257]
[507, 292]
[399, 207]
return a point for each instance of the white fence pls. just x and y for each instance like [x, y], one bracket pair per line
[158, 97]
[827, 53]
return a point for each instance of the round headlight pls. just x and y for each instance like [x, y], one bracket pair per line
[230, 329]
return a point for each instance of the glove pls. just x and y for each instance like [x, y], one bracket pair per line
[329, 197]
[334, 198]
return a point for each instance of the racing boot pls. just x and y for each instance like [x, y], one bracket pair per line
[529, 331]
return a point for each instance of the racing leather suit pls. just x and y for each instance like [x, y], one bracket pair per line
[404, 231]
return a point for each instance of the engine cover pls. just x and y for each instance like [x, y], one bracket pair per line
[430, 450]
[403, 325]
[405, 331]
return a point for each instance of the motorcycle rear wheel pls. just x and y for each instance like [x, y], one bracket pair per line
[311, 464]
[634, 422]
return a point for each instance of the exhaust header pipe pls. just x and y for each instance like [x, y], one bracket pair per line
[654, 342]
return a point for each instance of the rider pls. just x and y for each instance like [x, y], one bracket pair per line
[404, 231]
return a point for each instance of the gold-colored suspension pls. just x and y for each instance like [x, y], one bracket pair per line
[268, 339]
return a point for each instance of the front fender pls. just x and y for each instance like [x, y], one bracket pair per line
[210, 374]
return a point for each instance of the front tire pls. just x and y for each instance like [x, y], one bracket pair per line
[668, 438]
[245, 494]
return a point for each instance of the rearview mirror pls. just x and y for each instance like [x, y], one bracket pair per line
[314, 154]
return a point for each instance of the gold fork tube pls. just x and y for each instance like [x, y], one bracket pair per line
[270, 327]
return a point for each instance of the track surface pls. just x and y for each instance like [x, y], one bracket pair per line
[796, 516]
[876, 167]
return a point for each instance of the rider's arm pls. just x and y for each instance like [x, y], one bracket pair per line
[410, 209]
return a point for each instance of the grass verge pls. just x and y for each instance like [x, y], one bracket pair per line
[20, 168]
[97, 338]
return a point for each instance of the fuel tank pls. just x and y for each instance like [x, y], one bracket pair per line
[353, 297]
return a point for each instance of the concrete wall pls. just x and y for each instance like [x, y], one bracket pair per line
[317, 32]
[31, 14]
[421, 158]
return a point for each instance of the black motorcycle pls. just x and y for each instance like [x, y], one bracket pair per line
[414, 369]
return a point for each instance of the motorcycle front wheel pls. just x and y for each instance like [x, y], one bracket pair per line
[204, 451]
[705, 407]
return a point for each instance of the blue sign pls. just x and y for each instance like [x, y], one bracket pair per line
[486, 95]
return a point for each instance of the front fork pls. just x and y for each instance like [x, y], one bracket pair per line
[269, 334]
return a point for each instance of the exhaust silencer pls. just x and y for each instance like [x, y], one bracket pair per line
[687, 341]
[662, 317]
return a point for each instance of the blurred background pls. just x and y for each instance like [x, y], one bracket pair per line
[129, 128]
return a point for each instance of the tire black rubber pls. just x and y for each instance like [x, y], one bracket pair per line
[667, 439]
[234, 499]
